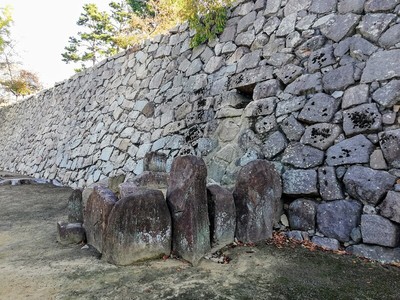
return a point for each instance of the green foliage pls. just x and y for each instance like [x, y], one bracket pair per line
[5, 24]
[25, 83]
[139, 7]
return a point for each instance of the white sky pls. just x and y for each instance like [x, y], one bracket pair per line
[41, 29]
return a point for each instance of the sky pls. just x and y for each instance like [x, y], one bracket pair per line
[41, 29]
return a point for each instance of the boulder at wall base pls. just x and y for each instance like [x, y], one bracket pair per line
[258, 201]
[70, 233]
[380, 231]
[95, 216]
[139, 228]
[302, 214]
[222, 213]
[187, 200]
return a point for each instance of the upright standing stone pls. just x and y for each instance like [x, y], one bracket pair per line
[75, 207]
[139, 228]
[258, 202]
[222, 212]
[95, 216]
[187, 200]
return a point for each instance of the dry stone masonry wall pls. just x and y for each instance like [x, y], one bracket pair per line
[311, 85]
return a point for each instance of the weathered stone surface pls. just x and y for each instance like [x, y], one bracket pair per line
[222, 214]
[258, 203]
[147, 179]
[380, 5]
[260, 107]
[382, 65]
[382, 254]
[329, 186]
[70, 233]
[390, 207]
[75, 207]
[139, 228]
[390, 144]
[373, 25]
[323, 6]
[321, 136]
[289, 106]
[95, 215]
[326, 243]
[319, 109]
[266, 124]
[302, 156]
[377, 161]
[364, 118]
[390, 37]
[340, 26]
[321, 58]
[389, 94]
[350, 151]
[287, 25]
[353, 6]
[293, 6]
[380, 231]
[305, 84]
[292, 128]
[266, 89]
[336, 219]
[368, 185]
[355, 95]
[300, 182]
[246, 81]
[187, 200]
[338, 79]
[274, 145]
[272, 7]
[302, 214]
[155, 162]
[289, 73]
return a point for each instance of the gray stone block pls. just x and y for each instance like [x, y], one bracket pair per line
[329, 186]
[321, 136]
[351, 6]
[390, 37]
[340, 26]
[373, 25]
[289, 106]
[390, 207]
[380, 231]
[379, 5]
[319, 109]
[364, 118]
[323, 6]
[321, 58]
[274, 145]
[355, 95]
[289, 73]
[292, 128]
[326, 243]
[305, 84]
[382, 65]
[338, 79]
[266, 89]
[389, 94]
[382, 254]
[390, 144]
[302, 214]
[300, 182]
[70, 233]
[302, 156]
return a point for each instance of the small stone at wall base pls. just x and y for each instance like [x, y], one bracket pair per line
[381, 254]
[70, 233]
[326, 243]
[302, 214]
[390, 207]
[380, 231]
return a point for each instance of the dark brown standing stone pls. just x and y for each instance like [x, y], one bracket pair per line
[70, 233]
[258, 202]
[222, 213]
[95, 216]
[75, 207]
[139, 228]
[187, 200]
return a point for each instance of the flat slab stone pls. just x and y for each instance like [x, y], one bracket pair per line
[300, 182]
[321, 136]
[289, 106]
[336, 219]
[390, 37]
[139, 228]
[321, 58]
[338, 79]
[350, 151]
[329, 186]
[326, 243]
[260, 107]
[257, 195]
[289, 73]
[274, 145]
[373, 25]
[382, 65]
[382, 254]
[390, 207]
[368, 185]
[379, 5]
[340, 26]
[364, 118]
[355, 95]
[75, 207]
[380, 231]
[305, 84]
[302, 214]
[389, 94]
[390, 144]
[292, 128]
[247, 80]
[302, 156]
[319, 109]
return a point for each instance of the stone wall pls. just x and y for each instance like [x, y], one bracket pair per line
[313, 85]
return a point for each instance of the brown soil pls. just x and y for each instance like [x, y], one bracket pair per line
[34, 266]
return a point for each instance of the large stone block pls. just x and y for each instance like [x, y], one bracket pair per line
[390, 207]
[368, 185]
[321, 136]
[187, 200]
[340, 26]
[319, 109]
[300, 182]
[390, 145]
[302, 156]
[382, 254]
[329, 186]
[258, 201]
[380, 231]
[382, 65]
[222, 214]
[336, 219]
[364, 118]
[95, 216]
[338, 79]
[139, 228]
[302, 214]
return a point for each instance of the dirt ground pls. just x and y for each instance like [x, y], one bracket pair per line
[34, 266]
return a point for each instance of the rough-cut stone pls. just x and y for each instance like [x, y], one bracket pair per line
[289, 73]
[293, 6]
[388, 95]
[390, 37]
[266, 124]
[289, 106]
[338, 79]
[364, 118]
[155, 162]
[390, 207]
[329, 186]
[353, 6]
[300, 182]
[321, 136]
[260, 107]
[70, 233]
[75, 207]
[336, 219]
[380, 5]
[340, 26]
[368, 185]
[377, 161]
[272, 7]
[355, 95]
[382, 65]
[302, 214]
[319, 109]
[321, 58]
[326, 243]
[287, 25]
[323, 6]
[222, 214]
[95, 216]
[305, 84]
[292, 128]
[390, 144]
[147, 179]
[350, 151]
[187, 200]
[258, 203]
[246, 81]
[274, 145]
[266, 89]
[139, 228]
[373, 25]
[382, 254]
[302, 156]
[380, 231]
